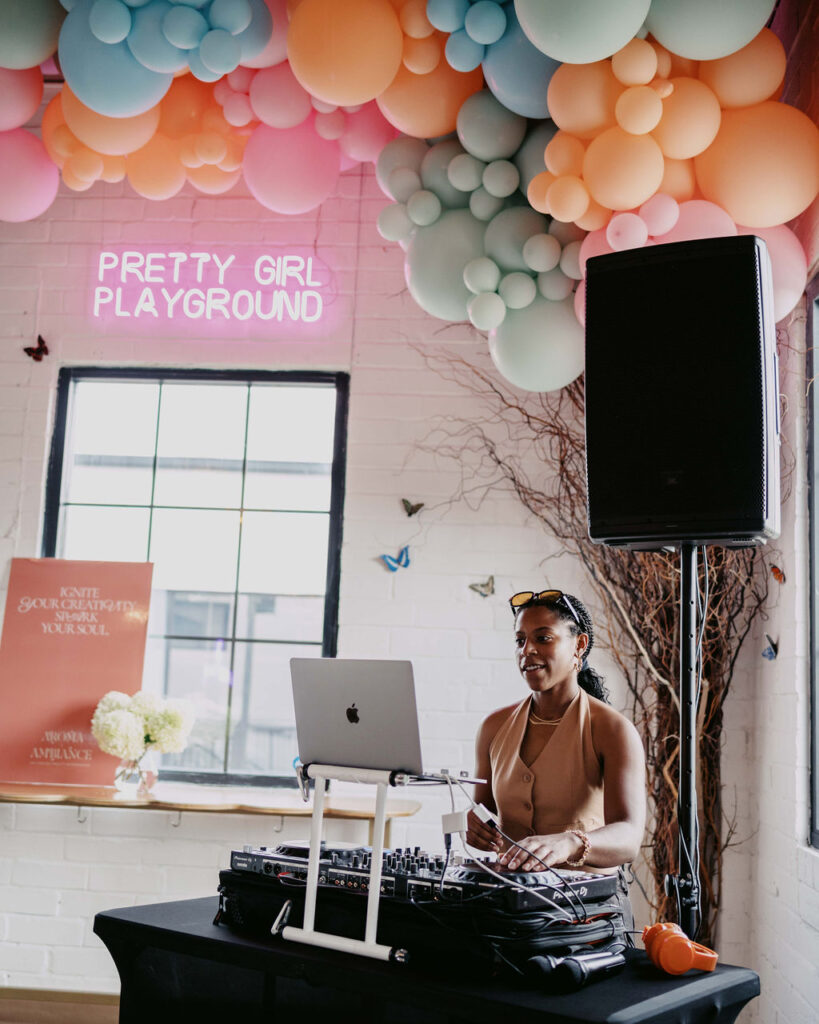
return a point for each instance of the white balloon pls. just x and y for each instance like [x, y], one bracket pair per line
[705, 30]
[486, 311]
[541, 347]
[517, 290]
[581, 31]
[482, 275]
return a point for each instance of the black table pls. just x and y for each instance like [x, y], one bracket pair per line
[176, 965]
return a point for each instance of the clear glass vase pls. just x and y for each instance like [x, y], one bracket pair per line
[138, 777]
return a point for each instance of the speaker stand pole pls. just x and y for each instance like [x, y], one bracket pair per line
[687, 882]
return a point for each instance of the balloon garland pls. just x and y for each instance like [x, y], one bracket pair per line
[534, 133]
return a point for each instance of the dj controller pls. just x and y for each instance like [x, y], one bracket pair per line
[410, 874]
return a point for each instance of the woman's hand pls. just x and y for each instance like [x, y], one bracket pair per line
[540, 852]
[482, 836]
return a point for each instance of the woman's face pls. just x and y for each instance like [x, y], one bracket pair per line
[547, 651]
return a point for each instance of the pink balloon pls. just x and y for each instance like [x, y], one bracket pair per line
[20, 95]
[367, 133]
[789, 265]
[626, 231]
[278, 99]
[699, 219]
[594, 244]
[276, 49]
[660, 213]
[580, 303]
[28, 179]
[290, 170]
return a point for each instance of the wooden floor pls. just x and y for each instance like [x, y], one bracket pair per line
[32, 1006]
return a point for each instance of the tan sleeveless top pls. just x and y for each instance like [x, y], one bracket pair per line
[562, 789]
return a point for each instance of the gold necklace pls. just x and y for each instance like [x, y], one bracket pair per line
[535, 720]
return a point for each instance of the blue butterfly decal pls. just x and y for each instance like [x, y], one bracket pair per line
[394, 564]
[772, 649]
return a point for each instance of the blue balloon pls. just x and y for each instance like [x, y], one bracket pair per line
[462, 52]
[220, 51]
[231, 15]
[485, 21]
[184, 27]
[109, 20]
[257, 34]
[517, 72]
[147, 41]
[106, 76]
[199, 70]
[447, 15]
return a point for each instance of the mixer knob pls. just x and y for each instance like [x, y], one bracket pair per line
[417, 851]
[247, 848]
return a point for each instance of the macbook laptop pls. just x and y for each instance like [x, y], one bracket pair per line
[356, 713]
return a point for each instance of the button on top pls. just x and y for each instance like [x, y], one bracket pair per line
[527, 805]
[527, 777]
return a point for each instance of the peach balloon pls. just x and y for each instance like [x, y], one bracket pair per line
[638, 109]
[567, 198]
[750, 75]
[155, 171]
[212, 180]
[622, 170]
[420, 56]
[113, 136]
[414, 20]
[75, 183]
[581, 98]
[763, 166]
[690, 121]
[64, 141]
[84, 163]
[679, 180]
[52, 121]
[662, 87]
[181, 109]
[564, 155]
[636, 63]
[235, 151]
[538, 187]
[113, 169]
[345, 53]
[595, 217]
[663, 59]
[426, 106]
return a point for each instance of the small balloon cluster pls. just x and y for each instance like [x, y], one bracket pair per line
[472, 29]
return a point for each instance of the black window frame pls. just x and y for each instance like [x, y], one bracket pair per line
[69, 375]
[812, 367]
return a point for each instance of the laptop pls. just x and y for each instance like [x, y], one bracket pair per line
[356, 713]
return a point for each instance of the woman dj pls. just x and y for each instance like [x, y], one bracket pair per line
[565, 772]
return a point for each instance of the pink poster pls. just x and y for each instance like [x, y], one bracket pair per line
[72, 631]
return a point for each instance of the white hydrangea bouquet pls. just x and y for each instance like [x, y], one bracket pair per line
[132, 727]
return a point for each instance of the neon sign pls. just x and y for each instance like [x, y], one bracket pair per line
[209, 289]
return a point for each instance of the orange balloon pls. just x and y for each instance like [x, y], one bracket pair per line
[564, 155]
[679, 180]
[155, 171]
[181, 109]
[638, 109]
[113, 136]
[420, 56]
[568, 198]
[74, 182]
[211, 147]
[763, 166]
[52, 121]
[538, 187]
[345, 52]
[581, 98]
[750, 75]
[113, 168]
[84, 163]
[663, 59]
[414, 20]
[636, 63]
[212, 180]
[427, 105]
[690, 120]
[595, 217]
[622, 170]
[233, 158]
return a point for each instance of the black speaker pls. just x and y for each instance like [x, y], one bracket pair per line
[682, 412]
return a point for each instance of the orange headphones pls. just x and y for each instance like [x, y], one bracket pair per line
[670, 949]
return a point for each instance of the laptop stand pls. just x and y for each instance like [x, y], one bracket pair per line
[308, 934]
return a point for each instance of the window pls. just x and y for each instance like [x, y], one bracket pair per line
[812, 340]
[231, 483]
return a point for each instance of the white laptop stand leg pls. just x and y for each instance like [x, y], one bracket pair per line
[307, 933]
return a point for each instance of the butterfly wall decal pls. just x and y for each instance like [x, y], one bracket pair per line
[410, 508]
[777, 574]
[401, 562]
[772, 649]
[484, 589]
[38, 352]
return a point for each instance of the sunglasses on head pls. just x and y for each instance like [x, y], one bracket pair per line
[557, 597]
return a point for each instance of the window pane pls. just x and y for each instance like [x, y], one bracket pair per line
[200, 447]
[195, 550]
[263, 736]
[283, 553]
[198, 671]
[104, 534]
[185, 613]
[111, 442]
[280, 617]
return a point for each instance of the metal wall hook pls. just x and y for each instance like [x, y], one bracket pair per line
[279, 823]
[82, 817]
[178, 822]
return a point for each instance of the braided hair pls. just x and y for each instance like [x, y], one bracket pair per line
[590, 680]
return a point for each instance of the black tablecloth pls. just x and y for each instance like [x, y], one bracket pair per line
[175, 964]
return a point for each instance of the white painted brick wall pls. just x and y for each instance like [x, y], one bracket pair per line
[58, 868]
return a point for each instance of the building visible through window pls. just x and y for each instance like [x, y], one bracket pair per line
[232, 485]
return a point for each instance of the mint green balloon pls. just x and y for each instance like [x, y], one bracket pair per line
[508, 232]
[517, 289]
[423, 208]
[29, 30]
[487, 129]
[484, 206]
[582, 31]
[541, 347]
[434, 174]
[482, 275]
[465, 172]
[486, 311]
[705, 29]
[435, 261]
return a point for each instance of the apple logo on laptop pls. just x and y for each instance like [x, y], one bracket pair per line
[352, 714]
